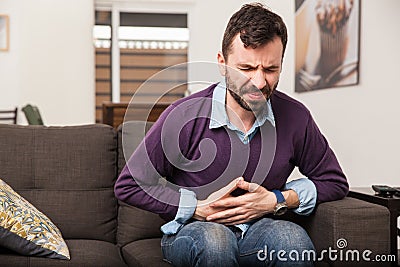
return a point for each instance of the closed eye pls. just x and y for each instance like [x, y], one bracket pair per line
[246, 68]
[271, 70]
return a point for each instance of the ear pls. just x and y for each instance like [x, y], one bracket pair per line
[221, 63]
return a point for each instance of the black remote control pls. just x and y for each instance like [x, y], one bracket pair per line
[397, 191]
[384, 190]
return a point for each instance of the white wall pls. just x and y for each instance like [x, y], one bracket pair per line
[51, 64]
[51, 59]
[9, 82]
[361, 122]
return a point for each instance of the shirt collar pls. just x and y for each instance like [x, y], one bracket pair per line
[219, 117]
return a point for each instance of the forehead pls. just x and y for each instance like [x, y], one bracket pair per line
[270, 53]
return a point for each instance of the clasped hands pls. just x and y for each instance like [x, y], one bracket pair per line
[222, 207]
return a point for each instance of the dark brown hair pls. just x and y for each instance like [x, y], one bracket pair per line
[257, 25]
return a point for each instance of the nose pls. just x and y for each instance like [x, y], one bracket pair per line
[258, 79]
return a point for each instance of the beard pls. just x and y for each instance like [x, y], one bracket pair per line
[256, 106]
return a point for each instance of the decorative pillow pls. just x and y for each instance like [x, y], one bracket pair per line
[26, 230]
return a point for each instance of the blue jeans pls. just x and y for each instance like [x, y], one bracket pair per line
[267, 242]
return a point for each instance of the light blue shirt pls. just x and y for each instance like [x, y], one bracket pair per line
[304, 188]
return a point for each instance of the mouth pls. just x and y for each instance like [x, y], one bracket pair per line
[256, 95]
[253, 93]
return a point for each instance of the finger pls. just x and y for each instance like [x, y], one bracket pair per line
[225, 191]
[232, 185]
[224, 214]
[238, 221]
[251, 187]
[228, 202]
[234, 220]
[243, 218]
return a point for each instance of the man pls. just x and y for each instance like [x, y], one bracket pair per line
[217, 146]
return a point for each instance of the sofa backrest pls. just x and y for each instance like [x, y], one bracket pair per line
[66, 172]
[134, 223]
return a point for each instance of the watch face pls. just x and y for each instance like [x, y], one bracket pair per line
[280, 209]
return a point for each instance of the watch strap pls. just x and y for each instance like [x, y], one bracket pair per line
[279, 196]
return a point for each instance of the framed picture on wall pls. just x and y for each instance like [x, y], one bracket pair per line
[327, 44]
[4, 32]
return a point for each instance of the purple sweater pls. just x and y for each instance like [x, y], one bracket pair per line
[181, 147]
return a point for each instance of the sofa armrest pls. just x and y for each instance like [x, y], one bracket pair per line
[359, 224]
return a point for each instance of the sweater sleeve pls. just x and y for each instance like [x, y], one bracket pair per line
[318, 162]
[144, 180]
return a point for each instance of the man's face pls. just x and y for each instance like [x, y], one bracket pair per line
[252, 74]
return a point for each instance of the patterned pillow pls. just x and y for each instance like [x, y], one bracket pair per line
[26, 230]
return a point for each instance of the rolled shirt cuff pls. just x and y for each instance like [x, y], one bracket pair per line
[307, 193]
[187, 207]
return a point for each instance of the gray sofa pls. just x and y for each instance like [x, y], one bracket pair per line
[69, 172]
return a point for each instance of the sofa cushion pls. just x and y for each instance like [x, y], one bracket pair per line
[66, 172]
[130, 135]
[26, 230]
[89, 214]
[136, 224]
[70, 158]
[88, 253]
[133, 223]
[144, 253]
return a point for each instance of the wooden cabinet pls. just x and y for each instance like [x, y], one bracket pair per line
[115, 113]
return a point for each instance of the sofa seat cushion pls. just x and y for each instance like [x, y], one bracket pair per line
[144, 253]
[88, 253]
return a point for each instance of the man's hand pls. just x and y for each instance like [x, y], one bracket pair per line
[252, 205]
[204, 209]
[257, 202]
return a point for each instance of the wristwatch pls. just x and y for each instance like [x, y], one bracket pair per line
[281, 206]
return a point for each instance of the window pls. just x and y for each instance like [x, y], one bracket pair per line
[147, 44]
